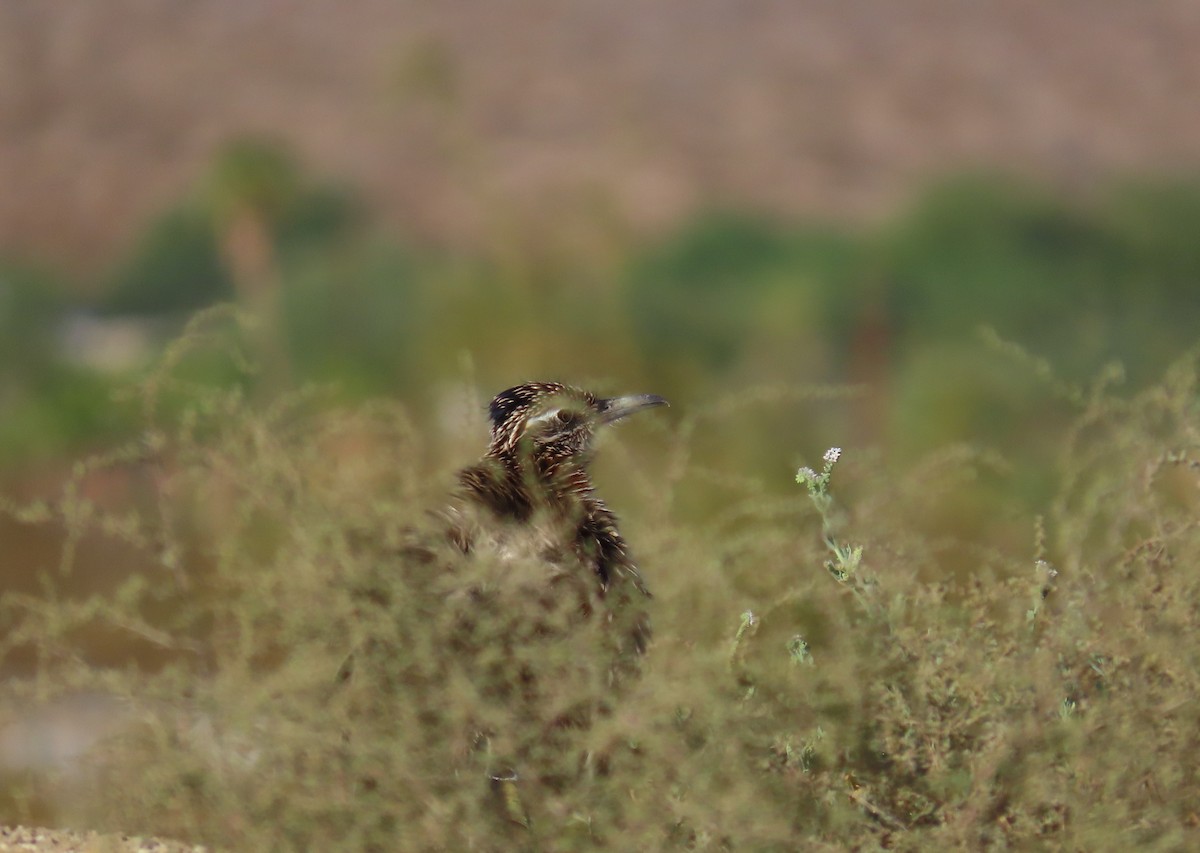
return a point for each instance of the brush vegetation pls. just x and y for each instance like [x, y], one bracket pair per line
[306, 669]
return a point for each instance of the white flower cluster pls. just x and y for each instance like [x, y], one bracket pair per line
[833, 454]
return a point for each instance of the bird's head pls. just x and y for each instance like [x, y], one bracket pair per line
[554, 423]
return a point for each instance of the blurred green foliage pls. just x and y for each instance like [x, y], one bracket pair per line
[173, 268]
[701, 301]
[1075, 282]
[355, 317]
[30, 303]
[728, 302]
[176, 266]
[49, 405]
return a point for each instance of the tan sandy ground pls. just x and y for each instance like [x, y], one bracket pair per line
[14, 838]
[456, 118]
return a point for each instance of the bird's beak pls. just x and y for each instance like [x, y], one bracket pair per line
[615, 408]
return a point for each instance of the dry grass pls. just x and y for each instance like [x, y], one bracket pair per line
[325, 678]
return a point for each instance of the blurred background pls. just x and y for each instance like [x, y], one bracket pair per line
[723, 203]
[690, 196]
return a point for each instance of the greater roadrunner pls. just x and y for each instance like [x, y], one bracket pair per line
[517, 624]
[533, 485]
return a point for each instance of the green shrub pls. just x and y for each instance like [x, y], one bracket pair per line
[175, 267]
[46, 404]
[702, 297]
[31, 301]
[356, 317]
[1083, 283]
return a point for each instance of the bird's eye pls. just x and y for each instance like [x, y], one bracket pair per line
[564, 416]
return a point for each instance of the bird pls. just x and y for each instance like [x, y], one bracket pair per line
[531, 496]
[515, 616]
[530, 505]
[535, 476]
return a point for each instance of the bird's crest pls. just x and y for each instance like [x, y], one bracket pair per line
[518, 399]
